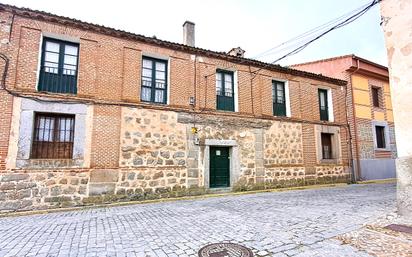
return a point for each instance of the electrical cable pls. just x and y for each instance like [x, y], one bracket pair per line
[341, 24]
[308, 33]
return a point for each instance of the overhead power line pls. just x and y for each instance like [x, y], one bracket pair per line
[345, 22]
[308, 34]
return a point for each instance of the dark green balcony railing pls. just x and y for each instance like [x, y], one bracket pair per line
[225, 101]
[279, 109]
[58, 80]
[324, 113]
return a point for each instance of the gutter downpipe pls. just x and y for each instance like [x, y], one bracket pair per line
[356, 173]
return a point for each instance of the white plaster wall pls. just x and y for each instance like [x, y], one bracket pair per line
[397, 25]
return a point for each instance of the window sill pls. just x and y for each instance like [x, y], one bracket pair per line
[328, 161]
[382, 149]
[226, 111]
[49, 163]
[153, 103]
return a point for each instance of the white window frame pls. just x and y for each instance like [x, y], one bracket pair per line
[166, 58]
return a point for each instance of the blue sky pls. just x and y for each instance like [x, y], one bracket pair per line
[255, 26]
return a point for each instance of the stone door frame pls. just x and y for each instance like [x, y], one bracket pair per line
[234, 164]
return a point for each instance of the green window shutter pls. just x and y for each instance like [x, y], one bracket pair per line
[323, 104]
[279, 98]
[225, 95]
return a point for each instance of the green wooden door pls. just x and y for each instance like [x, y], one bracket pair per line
[219, 167]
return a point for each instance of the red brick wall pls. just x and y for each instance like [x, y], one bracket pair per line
[6, 100]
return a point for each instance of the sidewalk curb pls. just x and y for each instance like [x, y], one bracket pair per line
[378, 181]
[185, 198]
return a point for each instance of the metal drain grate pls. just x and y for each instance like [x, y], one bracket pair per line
[225, 250]
[400, 228]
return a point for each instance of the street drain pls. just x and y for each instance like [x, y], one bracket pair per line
[225, 250]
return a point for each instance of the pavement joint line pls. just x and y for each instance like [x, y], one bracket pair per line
[185, 198]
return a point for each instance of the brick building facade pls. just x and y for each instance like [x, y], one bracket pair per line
[369, 112]
[89, 111]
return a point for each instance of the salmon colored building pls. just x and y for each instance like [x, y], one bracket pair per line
[369, 112]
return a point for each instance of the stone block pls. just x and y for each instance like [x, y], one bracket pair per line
[24, 193]
[55, 191]
[192, 163]
[69, 190]
[82, 190]
[131, 175]
[57, 199]
[260, 171]
[74, 181]
[14, 177]
[15, 205]
[25, 185]
[165, 154]
[101, 188]
[192, 182]
[7, 186]
[193, 173]
[179, 155]
[101, 176]
[158, 174]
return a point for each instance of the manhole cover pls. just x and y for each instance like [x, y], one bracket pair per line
[400, 228]
[225, 250]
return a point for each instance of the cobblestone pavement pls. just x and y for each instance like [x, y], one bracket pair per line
[290, 223]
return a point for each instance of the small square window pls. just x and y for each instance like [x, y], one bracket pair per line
[375, 96]
[380, 137]
[326, 139]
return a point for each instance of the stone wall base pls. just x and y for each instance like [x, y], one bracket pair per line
[43, 189]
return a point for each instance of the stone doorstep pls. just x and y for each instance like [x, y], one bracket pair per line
[215, 194]
[220, 190]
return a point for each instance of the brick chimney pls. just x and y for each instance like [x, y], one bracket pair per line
[189, 33]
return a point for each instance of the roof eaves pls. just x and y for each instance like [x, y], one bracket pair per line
[49, 17]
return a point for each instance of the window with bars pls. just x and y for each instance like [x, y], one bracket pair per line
[380, 137]
[225, 91]
[53, 136]
[58, 70]
[154, 80]
[279, 98]
[326, 139]
[323, 104]
[375, 96]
